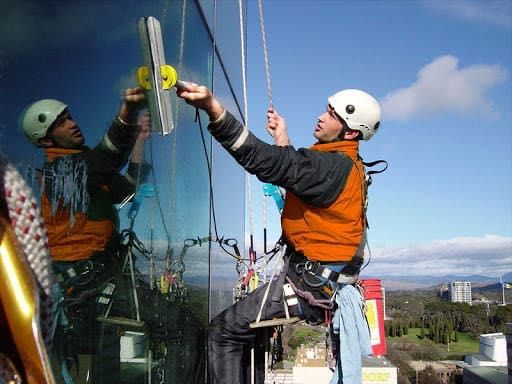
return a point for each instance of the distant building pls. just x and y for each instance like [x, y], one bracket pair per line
[486, 303]
[492, 351]
[442, 291]
[312, 366]
[485, 375]
[443, 369]
[489, 366]
[460, 292]
[316, 356]
[379, 370]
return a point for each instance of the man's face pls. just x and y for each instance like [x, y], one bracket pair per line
[329, 126]
[65, 133]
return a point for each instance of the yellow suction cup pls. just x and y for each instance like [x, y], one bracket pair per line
[168, 75]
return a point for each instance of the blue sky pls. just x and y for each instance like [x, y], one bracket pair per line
[442, 71]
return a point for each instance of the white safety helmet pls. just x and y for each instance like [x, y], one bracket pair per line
[39, 116]
[358, 109]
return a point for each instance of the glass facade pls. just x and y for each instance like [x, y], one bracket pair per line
[175, 275]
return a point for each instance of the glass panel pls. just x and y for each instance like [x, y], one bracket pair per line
[229, 192]
[223, 18]
[160, 303]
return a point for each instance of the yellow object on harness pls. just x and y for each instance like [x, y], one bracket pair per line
[20, 301]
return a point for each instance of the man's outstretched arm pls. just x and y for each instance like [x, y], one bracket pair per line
[315, 177]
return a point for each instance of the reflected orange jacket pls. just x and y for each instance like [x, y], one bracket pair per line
[77, 235]
[332, 233]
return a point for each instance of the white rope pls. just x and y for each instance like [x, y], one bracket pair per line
[30, 231]
[263, 302]
[177, 110]
[246, 119]
[242, 48]
[269, 89]
[246, 113]
[265, 53]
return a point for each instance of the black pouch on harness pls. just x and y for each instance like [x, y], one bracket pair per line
[308, 284]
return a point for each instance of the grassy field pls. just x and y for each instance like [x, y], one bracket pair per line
[464, 345]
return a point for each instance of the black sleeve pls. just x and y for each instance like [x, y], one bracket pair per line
[315, 177]
[138, 172]
[111, 154]
[120, 188]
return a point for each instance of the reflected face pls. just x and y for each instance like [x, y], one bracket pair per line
[329, 126]
[65, 133]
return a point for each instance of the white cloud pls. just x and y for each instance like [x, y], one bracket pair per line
[494, 12]
[443, 87]
[489, 255]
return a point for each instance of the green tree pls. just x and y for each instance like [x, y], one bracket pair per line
[502, 316]
[387, 328]
[398, 327]
[304, 336]
[449, 329]
[436, 334]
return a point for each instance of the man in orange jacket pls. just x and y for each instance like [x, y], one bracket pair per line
[323, 220]
[80, 186]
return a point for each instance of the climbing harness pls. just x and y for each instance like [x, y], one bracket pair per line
[322, 271]
[368, 179]
[367, 182]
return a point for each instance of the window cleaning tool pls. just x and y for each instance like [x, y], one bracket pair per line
[155, 76]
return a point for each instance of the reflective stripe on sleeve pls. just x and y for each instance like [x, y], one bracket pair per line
[241, 140]
[108, 143]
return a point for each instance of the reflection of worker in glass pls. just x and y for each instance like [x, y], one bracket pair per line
[80, 186]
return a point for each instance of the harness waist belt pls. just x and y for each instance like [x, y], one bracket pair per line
[327, 273]
[75, 269]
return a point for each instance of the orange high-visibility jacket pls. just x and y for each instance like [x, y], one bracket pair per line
[79, 190]
[332, 233]
[323, 217]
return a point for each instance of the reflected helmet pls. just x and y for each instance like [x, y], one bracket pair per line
[358, 109]
[39, 116]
